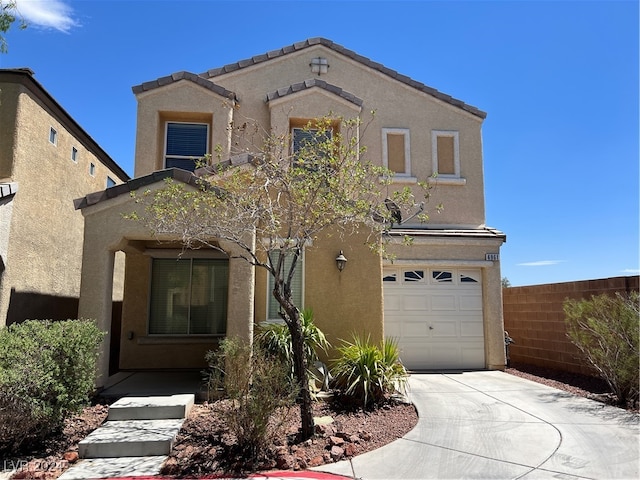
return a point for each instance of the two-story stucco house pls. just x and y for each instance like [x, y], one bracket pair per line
[46, 161]
[441, 297]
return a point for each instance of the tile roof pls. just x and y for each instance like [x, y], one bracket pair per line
[135, 184]
[314, 82]
[176, 77]
[203, 78]
[350, 54]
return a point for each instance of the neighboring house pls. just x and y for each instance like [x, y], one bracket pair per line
[46, 161]
[441, 297]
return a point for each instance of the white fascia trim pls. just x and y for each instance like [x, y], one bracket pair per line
[439, 263]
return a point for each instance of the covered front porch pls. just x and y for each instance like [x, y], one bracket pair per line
[176, 305]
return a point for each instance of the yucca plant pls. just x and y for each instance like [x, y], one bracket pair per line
[366, 372]
[275, 339]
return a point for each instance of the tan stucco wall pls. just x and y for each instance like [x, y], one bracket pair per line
[45, 246]
[343, 303]
[396, 105]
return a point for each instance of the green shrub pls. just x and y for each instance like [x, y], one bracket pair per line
[368, 373]
[605, 330]
[47, 372]
[257, 392]
[275, 339]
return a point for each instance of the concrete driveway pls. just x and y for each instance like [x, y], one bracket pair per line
[492, 425]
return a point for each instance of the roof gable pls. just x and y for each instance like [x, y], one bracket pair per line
[351, 55]
[178, 76]
[311, 83]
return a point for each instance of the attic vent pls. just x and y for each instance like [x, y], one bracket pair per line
[319, 65]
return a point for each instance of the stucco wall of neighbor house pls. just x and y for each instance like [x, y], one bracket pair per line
[44, 255]
[465, 253]
[180, 102]
[9, 93]
[534, 318]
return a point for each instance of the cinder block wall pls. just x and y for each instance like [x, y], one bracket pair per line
[534, 318]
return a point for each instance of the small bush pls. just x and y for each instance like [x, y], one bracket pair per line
[47, 372]
[275, 339]
[256, 386]
[368, 373]
[605, 330]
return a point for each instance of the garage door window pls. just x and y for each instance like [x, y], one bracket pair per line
[442, 276]
[390, 277]
[414, 276]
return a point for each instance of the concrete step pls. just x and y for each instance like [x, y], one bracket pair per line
[130, 438]
[114, 467]
[151, 408]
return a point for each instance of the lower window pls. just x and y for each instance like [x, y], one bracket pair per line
[189, 296]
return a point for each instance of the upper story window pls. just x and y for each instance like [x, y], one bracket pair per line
[396, 151]
[185, 144]
[53, 136]
[74, 154]
[446, 156]
[110, 182]
[92, 169]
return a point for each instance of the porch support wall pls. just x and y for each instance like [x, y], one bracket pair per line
[96, 298]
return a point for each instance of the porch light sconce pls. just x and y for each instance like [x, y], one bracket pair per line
[341, 261]
[319, 65]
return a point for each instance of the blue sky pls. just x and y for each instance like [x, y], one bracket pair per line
[558, 79]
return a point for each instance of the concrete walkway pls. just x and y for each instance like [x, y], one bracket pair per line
[492, 425]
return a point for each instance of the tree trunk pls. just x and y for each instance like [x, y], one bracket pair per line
[301, 372]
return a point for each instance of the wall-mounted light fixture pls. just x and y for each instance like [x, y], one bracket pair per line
[341, 261]
[319, 65]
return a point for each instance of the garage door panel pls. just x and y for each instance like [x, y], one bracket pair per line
[471, 329]
[444, 329]
[443, 303]
[416, 329]
[415, 302]
[438, 324]
[470, 302]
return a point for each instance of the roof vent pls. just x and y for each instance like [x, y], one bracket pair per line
[319, 65]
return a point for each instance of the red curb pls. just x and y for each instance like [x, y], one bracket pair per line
[284, 474]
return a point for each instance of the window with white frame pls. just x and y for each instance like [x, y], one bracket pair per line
[445, 153]
[188, 296]
[273, 307]
[396, 150]
[74, 154]
[92, 169]
[53, 136]
[185, 144]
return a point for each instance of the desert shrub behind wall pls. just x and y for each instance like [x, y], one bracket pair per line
[47, 372]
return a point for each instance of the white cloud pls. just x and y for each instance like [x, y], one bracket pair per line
[54, 14]
[540, 263]
[632, 271]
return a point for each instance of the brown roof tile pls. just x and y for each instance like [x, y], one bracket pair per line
[314, 82]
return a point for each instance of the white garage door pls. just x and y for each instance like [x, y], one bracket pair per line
[436, 316]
